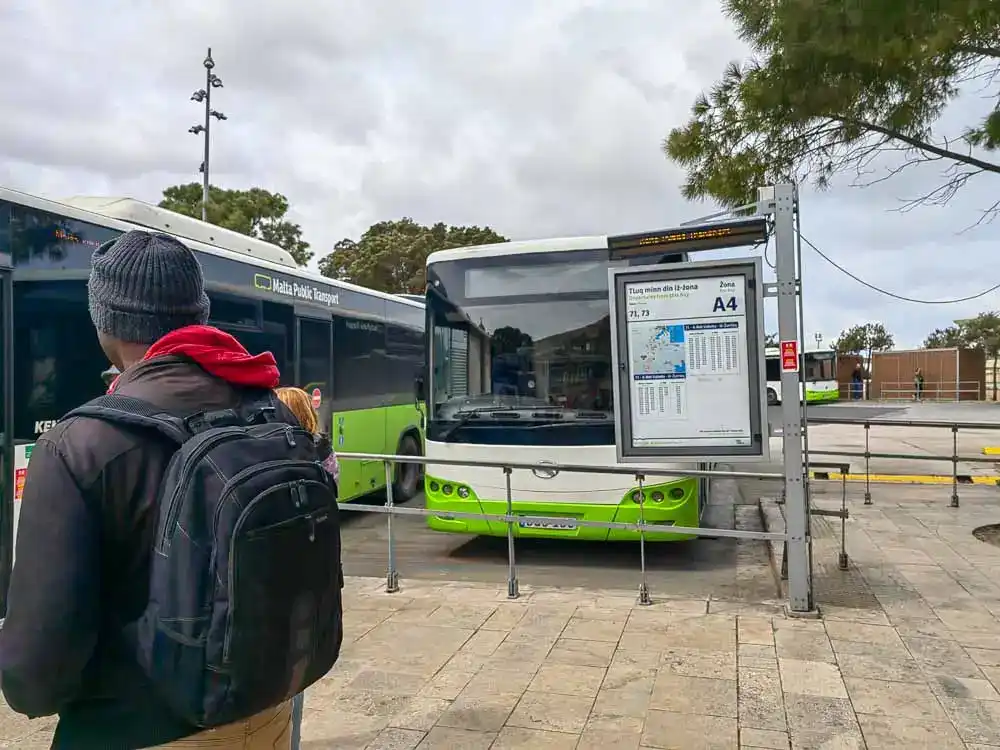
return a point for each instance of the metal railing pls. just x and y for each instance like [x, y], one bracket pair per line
[963, 390]
[954, 458]
[642, 527]
[843, 514]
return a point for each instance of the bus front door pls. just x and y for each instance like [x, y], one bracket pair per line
[8, 480]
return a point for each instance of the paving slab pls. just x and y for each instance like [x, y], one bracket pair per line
[906, 654]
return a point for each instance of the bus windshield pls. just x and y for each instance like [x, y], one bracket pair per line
[521, 350]
[820, 366]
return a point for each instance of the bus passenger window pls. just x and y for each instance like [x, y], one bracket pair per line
[314, 355]
[359, 361]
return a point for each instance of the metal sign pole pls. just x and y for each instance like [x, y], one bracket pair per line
[800, 597]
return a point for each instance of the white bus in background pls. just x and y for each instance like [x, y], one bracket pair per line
[519, 369]
[819, 373]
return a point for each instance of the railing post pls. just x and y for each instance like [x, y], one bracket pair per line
[868, 456]
[954, 466]
[644, 598]
[842, 562]
[297, 706]
[391, 576]
[512, 592]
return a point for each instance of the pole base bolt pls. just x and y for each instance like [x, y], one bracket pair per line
[512, 591]
[392, 582]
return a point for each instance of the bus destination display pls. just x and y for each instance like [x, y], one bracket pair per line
[687, 360]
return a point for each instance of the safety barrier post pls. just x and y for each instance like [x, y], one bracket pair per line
[954, 466]
[842, 561]
[391, 576]
[644, 598]
[298, 703]
[868, 466]
[512, 592]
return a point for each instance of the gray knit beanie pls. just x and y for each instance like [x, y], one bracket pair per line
[145, 285]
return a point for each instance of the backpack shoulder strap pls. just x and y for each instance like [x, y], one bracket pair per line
[134, 412]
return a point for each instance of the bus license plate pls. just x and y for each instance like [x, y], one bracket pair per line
[551, 525]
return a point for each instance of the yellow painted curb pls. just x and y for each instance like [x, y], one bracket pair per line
[908, 478]
[991, 450]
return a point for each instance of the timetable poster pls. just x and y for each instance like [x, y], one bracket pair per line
[687, 353]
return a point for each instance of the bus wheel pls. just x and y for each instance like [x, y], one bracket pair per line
[772, 397]
[406, 482]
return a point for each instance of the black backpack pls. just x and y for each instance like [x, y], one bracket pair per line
[244, 608]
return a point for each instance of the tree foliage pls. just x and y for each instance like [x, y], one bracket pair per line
[770, 340]
[864, 339]
[981, 332]
[254, 212]
[831, 85]
[391, 255]
[946, 338]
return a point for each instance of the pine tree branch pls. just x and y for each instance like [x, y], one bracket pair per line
[930, 148]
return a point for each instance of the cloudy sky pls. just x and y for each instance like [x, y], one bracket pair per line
[536, 118]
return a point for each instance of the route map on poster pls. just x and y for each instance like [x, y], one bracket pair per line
[687, 352]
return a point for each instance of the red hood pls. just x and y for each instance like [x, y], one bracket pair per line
[219, 354]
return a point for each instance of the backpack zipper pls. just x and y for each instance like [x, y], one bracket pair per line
[249, 471]
[196, 455]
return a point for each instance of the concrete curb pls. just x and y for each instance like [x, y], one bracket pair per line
[990, 479]
[773, 518]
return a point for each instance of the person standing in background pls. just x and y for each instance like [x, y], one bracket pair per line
[918, 385]
[857, 383]
[300, 404]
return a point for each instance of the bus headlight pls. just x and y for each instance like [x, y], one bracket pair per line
[637, 497]
[463, 492]
[676, 493]
[657, 497]
[447, 489]
[435, 487]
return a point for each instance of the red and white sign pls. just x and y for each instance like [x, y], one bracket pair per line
[20, 477]
[789, 356]
[317, 398]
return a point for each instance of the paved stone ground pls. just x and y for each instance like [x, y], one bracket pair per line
[909, 658]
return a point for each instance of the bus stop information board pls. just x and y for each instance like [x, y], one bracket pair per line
[689, 363]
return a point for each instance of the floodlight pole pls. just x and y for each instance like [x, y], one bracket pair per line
[209, 64]
[212, 81]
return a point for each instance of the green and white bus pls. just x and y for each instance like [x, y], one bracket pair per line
[356, 351]
[519, 369]
[819, 373]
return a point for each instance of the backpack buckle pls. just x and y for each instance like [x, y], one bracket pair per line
[207, 420]
[262, 415]
[195, 423]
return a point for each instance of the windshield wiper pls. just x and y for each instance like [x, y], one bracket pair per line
[466, 416]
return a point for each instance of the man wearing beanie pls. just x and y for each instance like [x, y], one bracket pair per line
[89, 511]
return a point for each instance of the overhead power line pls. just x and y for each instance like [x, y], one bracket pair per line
[886, 292]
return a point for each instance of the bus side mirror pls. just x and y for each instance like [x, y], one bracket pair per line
[419, 389]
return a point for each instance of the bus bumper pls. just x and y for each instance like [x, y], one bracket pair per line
[670, 504]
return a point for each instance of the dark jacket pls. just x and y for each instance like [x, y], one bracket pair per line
[88, 516]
